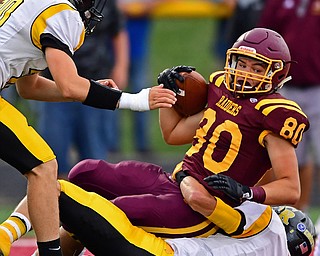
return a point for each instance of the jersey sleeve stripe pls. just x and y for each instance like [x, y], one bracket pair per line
[40, 24]
[267, 110]
[259, 225]
[263, 103]
[262, 136]
[219, 80]
[81, 40]
[203, 229]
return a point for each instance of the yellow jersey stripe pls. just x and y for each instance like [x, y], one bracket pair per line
[264, 102]
[24, 132]
[40, 24]
[259, 225]
[81, 40]
[222, 212]
[188, 230]
[262, 136]
[267, 110]
[117, 219]
[219, 80]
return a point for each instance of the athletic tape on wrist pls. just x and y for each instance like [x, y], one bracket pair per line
[136, 102]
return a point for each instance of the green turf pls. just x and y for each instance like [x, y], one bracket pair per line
[5, 212]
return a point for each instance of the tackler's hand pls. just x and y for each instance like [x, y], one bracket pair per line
[108, 82]
[168, 77]
[160, 97]
[233, 189]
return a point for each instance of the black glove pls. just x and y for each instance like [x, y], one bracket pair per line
[168, 76]
[180, 176]
[233, 189]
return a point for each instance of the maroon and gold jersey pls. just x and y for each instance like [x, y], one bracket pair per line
[230, 136]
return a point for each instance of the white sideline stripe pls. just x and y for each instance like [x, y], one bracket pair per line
[8, 233]
[15, 226]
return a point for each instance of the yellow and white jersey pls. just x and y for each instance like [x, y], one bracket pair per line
[25, 25]
[270, 241]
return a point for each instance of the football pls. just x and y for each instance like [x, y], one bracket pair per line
[193, 94]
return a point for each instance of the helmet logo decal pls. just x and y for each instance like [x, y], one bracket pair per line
[247, 49]
[301, 227]
[286, 215]
[304, 247]
[277, 65]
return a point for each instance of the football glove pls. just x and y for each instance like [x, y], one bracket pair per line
[168, 76]
[180, 176]
[233, 189]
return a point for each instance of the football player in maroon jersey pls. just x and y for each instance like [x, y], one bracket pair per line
[247, 129]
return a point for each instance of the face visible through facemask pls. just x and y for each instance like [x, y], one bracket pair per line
[248, 71]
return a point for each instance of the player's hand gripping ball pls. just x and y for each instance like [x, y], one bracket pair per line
[189, 85]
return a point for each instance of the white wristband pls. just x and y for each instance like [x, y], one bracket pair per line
[136, 102]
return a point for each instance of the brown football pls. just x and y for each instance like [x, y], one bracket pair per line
[193, 94]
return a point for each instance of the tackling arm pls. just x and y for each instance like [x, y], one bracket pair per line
[69, 86]
[283, 185]
[36, 87]
[221, 214]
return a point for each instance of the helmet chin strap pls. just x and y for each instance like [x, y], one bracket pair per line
[73, 3]
[288, 78]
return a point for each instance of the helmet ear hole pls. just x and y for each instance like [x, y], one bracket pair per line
[90, 12]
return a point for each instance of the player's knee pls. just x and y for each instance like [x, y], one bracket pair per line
[82, 168]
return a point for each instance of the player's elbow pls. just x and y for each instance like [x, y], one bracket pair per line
[294, 196]
[289, 196]
[176, 139]
[169, 139]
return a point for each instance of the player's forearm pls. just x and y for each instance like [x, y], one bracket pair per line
[281, 192]
[285, 189]
[36, 87]
[177, 130]
[195, 194]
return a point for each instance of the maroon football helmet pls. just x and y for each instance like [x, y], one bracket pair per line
[266, 47]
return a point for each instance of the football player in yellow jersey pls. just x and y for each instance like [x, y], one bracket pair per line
[104, 229]
[35, 35]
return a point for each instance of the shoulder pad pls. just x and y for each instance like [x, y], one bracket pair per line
[217, 78]
[266, 106]
[284, 117]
